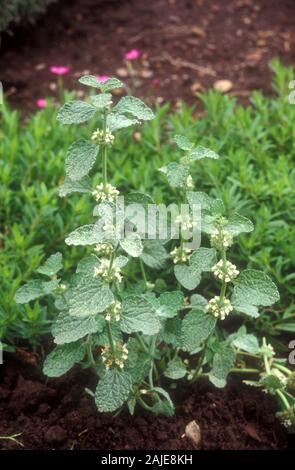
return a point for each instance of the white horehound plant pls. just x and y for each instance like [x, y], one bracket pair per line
[131, 335]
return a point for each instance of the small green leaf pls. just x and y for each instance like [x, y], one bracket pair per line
[69, 186]
[203, 259]
[154, 255]
[170, 303]
[135, 107]
[176, 369]
[171, 332]
[116, 122]
[199, 152]
[33, 290]
[176, 174]
[253, 289]
[52, 265]
[101, 101]
[187, 276]
[133, 246]
[90, 80]
[238, 224]
[111, 84]
[80, 159]
[84, 235]
[139, 315]
[75, 112]
[112, 390]
[183, 143]
[248, 343]
[271, 383]
[198, 301]
[63, 358]
[223, 362]
[89, 297]
[196, 327]
[67, 328]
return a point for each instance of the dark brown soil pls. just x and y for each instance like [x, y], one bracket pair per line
[56, 414]
[187, 45]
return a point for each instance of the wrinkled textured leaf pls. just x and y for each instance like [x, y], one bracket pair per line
[69, 186]
[154, 255]
[196, 327]
[101, 101]
[248, 343]
[75, 112]
[223, 362]
[133, 247]
[187, 276]
[139, 315]
[253, 289]
[52, 265]
[63, 358]
[176, 369]
[119, 121]
[84, 235]
[33, 290]
[203, 259]
[238, 224]
[176, 174]
[112, 390]
[135, 107]
[89, 297]
[80, 159]
[67, 328]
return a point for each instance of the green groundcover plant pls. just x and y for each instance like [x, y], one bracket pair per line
[138, 334]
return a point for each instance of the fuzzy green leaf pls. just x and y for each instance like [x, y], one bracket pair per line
[75, 112]
[187, 276]
[238, 224]
[33, 290]
[116, 122]
[101, 101]
[203, 259]
[139, 315]
[135, 107]
[112, 390]
[171, 332]
[168, 304]
[196, 327]
[80, 159]
[52, 265]
[176, 174]
[89, 297]
[110, 84]
[154, 254]
[199, 152]
[90, 80]
[133, 246]
[67, 328]
[63, 358]
[223, 362]
[84, 235]
[176, 369]
[248, 343]
[183, 143]
[253, 289]
[69, 186]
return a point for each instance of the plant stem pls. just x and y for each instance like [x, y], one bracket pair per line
[283, 398]
[223, 286]
[144, 405]
[245, 371]
[265, 358]
[13, 438]
[152, 352]
[110, 338]
[143, 271]
[89, 350]
[104, 154]
[140, 340]
[282, 368]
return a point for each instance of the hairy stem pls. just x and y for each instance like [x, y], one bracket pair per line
[104, 154]
[89, 350]
[142, 268]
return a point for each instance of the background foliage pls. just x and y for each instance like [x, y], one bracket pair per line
[255, 176]
[20, 11]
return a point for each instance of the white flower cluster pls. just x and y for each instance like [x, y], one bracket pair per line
[117, 358]
[221, 239]
[225, 271]
[108, 272]
[101, 194]
[180, 254]
[185, 221]
[219, 308]
[113, 312]
[103, 138]
[189, 182]
[104, 249]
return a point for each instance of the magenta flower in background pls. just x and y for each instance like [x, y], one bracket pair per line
[59, 70]
[102, 78]
[41, 103]
[133, 54]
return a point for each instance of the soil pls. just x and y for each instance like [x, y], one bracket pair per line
[186, 45]
[57, 414]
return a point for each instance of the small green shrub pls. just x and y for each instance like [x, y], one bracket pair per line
[135, 330]
[20, 11]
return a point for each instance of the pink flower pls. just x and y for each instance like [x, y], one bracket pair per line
[41, 103]
[102, 78]
[155, 82]
[133, 54]
[59, 70]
